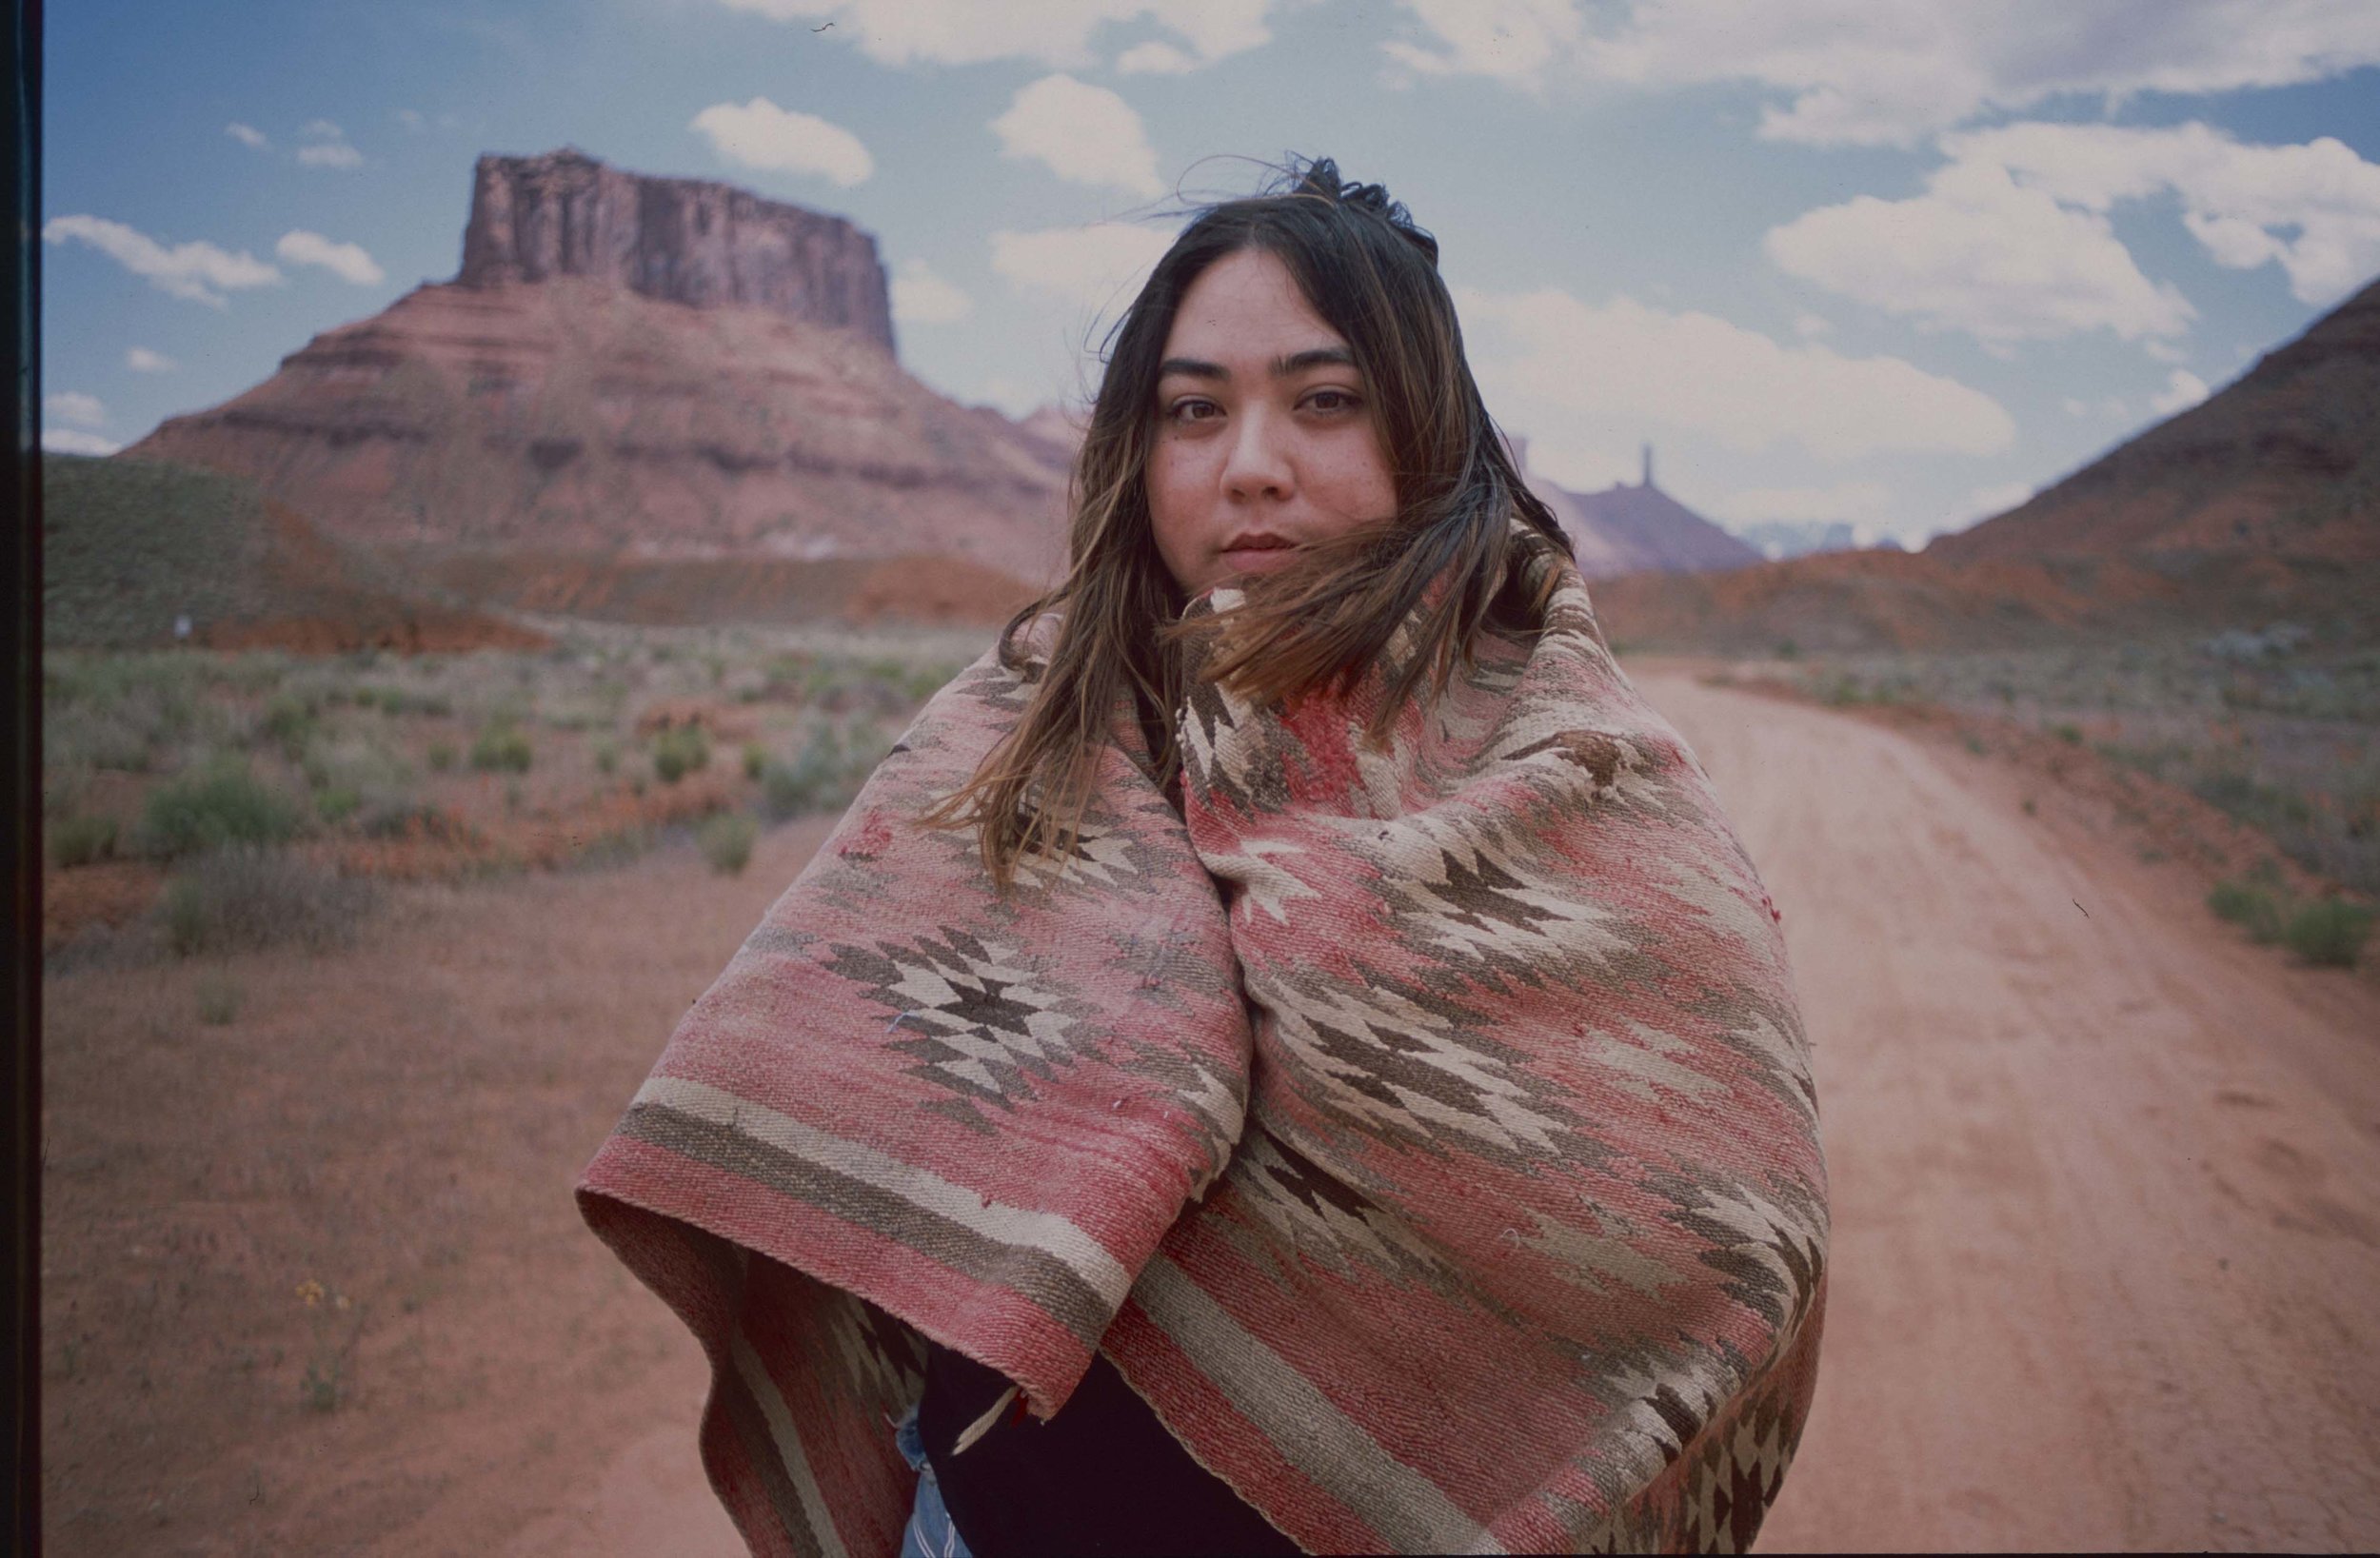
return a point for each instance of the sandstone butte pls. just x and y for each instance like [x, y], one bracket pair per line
[2262, 503]
[632, 385]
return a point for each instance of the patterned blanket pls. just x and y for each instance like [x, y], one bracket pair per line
[1426, 1133]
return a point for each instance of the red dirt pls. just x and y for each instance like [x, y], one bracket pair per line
[2107, 1194]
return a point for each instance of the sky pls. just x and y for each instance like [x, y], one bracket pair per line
[1896, 266]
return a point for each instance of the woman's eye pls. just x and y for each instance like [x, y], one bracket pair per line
[1330, 400]
[1193, 411]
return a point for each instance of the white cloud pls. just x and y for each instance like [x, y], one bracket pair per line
[141, 359]
[247, 136]
[920, 296]
[1845, 500]
[1093, 268]
[327, 146]
[346, 260]
[1810, 326]
[1155, 59]
[68, 441]
[412, 119]
[2312, 208]
[1626, 370]
[1980, 253]
[2183, 389]
[1052, 33]
[2111, 406]
[1857, 72]
[1506, 40]
[196, 270]
[1082, 134]
[761, 134]
[74, 407]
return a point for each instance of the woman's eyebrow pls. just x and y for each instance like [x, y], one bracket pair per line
[1283, 368]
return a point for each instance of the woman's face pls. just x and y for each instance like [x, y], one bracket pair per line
[1266, 438]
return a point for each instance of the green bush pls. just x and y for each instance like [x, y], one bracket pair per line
[440, 756]
[679, 751]
[245, 897]
[2330, 932]
[755, 760]
[289, 721]
[2254, 909]
[81, 841]
[2071, 734]
[334, 804]
[501, 746]
[727, 842]
[606, 756]
[214, 806]
[822, 779]
[218, 1000]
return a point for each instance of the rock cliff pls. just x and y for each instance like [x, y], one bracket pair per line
[682, 240]
[628, 370]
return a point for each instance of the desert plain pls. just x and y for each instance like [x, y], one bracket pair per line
[2106, 1170]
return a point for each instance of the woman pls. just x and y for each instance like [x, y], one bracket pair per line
[1285, 1054]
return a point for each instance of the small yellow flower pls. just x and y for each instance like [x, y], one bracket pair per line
[339, 1302]
[311, 1292]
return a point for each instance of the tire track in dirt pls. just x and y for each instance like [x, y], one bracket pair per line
[2106, 1177]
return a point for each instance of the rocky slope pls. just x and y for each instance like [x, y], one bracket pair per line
[635, 369]
[2283, 462]
[2262, 503]
[1639, 529]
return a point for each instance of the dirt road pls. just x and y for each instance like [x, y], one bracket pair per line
[2106, 1177]
[2107, 1191]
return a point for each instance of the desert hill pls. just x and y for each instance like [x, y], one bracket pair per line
[1638, 528]
[2261, 502]
[2283, 462]
[629, 369]
[129, 547]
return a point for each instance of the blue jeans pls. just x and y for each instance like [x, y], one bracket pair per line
[931, 1534]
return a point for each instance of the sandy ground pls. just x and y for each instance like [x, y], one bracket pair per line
[2107, 1188]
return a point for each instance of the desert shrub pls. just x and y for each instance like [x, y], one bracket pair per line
[2248, 905]
[727, 842]
[442, 756]
[501, 746]
[606, 756]
[2330, 932]
[335, 802]
[397, 701]
[822, 779]
[288, 722]
[393, 817]
[755, 759]
[245, 897]
[679, 751]
[81, 841]
[218, 1000]
[213, 806]
[2068, 731]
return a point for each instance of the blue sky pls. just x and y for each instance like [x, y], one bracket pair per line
[1896, 265]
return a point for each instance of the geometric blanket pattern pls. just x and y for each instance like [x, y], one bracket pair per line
[1426, 1133]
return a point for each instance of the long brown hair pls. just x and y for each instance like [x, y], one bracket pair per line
[1371, 275]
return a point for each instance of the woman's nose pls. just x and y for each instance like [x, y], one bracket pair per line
[1258, 464]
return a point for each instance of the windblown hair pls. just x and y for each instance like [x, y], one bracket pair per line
[1450, 549]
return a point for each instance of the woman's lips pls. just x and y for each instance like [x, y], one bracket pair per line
[1261, 553]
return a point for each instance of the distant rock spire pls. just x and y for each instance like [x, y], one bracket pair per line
[1648, 467]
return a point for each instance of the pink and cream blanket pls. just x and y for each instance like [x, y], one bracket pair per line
[1426, 1133]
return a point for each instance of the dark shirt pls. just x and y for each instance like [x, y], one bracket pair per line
[1103, 1476]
